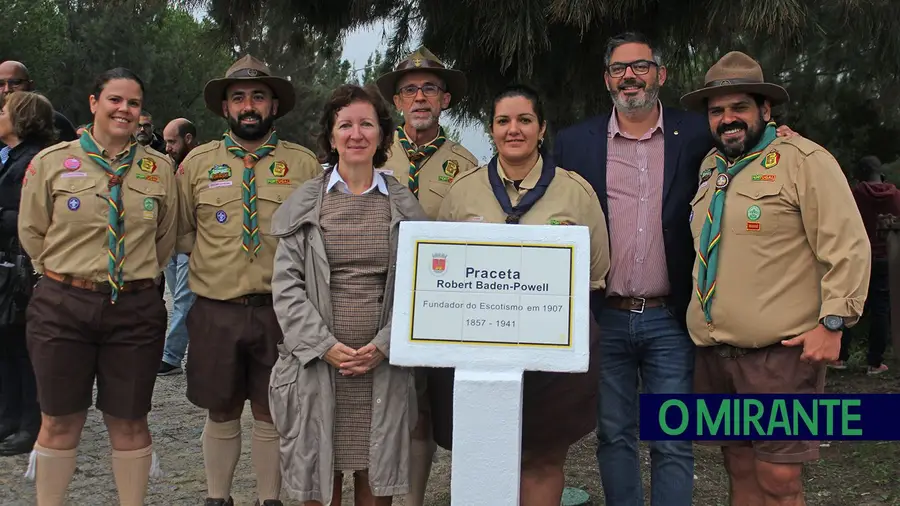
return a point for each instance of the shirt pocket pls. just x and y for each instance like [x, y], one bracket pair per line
[220, 212]
[142, 203]
[76, 200]
[269, 200]
[754, 209]
[699, 207]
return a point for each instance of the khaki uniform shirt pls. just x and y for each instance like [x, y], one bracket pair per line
[211, 215]
[569, 200]
[64, 214]
[437, 173]
[793, 248]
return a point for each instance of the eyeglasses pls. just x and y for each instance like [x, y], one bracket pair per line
[13, 83]
[411, 90]
[145, 126]
[639, 67]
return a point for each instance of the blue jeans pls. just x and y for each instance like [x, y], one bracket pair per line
[177, 336]
[653, 345]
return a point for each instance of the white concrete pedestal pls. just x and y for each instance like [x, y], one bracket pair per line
[486, 460]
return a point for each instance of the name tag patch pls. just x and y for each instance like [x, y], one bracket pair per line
[148, 177]
[73, 174]
[219, 184]
[764, 177]
[281, 181]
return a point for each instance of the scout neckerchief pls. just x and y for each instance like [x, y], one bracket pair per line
[250, 236]
[418, 156]
[115, 230]
[515, 213]
[711, 235]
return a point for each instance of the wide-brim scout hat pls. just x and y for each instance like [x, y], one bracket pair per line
[734, 73]
[422, 60]
[249, 68]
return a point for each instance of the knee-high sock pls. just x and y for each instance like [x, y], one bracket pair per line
[266, 460]
[132, 472]
[221, 451]
[420, 458]
[53, 473]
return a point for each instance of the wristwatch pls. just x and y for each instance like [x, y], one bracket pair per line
[833, 323]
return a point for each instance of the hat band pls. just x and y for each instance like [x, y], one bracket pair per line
[420, 63]
[727, 82]
[248, 73]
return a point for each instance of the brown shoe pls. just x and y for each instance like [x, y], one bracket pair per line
[219, 502]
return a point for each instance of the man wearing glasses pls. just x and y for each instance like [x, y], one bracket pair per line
[14, 76]
[422, 155]
[643, 161]
[145, 134]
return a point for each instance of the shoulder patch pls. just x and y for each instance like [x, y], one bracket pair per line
[463, 152]
[577, 178]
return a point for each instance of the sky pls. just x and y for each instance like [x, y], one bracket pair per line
[362, 42]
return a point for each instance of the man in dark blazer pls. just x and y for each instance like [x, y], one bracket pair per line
[643, 161]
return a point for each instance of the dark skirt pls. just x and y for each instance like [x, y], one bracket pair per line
[558, 409]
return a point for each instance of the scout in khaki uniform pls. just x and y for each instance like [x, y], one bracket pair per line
[522, 185]
[421, 88]
[782, 267]
[98, 218]
[230, 189]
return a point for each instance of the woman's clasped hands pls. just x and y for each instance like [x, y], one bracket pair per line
[352, 362]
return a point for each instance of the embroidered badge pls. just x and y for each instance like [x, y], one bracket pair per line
[180, 169]
[279, 168]
[281, 181]
[451, 168]
[219, 172]
[73, 203]
[771, 160]
[72, 174]
[148, 204]
[148, 177]
[753, 213]
[221, 216]
[560, 222]
[147, 165]
[219, 184]
[445, 179]
[706, 174]
[691, 217]
[752, 226]
[764, 177]
[72, 163]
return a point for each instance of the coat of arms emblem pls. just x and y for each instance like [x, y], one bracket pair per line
[438, 263]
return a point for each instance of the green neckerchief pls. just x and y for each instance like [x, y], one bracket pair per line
[250, 235]
[417, 157]
[711, 235]
[115, 231]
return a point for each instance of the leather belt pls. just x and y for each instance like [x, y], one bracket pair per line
[254, 300]
[104, 287]
[634, 304]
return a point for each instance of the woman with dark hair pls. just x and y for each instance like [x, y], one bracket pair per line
[98, 220]
[26, 127]
[522, 184]
[338, 404]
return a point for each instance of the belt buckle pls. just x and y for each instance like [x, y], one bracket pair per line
[643, 305]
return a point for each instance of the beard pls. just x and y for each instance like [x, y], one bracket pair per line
[423, 124]
[752, 134]
[251, 132]
[633, 104]
[143, 138]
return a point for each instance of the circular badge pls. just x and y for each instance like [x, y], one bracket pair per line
[148, 204]
[221, 216]
[753, 213]
[72, 163]
[722, 181]
[73, 203]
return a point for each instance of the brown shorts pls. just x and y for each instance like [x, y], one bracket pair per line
[776, 369]
[233, 349]
[75, 335]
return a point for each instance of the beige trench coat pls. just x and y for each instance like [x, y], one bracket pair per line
[301, 388]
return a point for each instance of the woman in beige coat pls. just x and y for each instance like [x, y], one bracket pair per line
[338, 405]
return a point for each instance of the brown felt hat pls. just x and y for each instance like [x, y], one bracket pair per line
[249, 68]
[422, 60]
[734, 73]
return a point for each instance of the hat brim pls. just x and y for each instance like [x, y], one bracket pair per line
[696, 100]
[282, 89]
[454, 80]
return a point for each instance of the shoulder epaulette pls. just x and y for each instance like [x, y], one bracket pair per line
[802, 144]
[56, 147]
[298, 147]
[462, 175]
[463, 152]
[578, 179]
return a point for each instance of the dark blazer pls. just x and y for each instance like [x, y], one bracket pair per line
[582, 148]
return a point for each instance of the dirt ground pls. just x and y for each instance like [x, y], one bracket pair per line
[863, 474]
